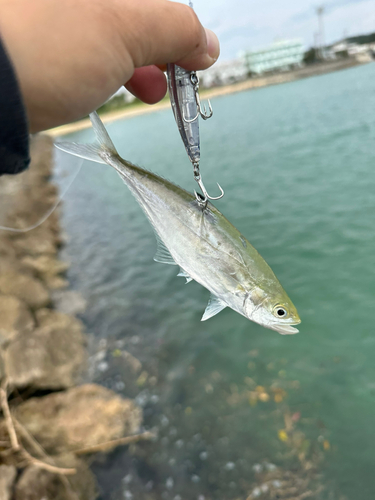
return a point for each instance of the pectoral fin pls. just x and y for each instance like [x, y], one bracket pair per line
[162, 253]
[214, 306]
[184, 274]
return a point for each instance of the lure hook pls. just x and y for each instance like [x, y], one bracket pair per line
[202, 200]
[192, 120]
[200, 111]
[203, 112]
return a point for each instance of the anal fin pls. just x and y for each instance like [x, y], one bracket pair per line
[214, 306]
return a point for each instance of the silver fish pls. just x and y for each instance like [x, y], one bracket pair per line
[200, 240]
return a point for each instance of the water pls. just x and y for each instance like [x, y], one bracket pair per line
[297, 164]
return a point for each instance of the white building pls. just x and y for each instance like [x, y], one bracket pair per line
[363, 52]
[282, 55]
[223, 73]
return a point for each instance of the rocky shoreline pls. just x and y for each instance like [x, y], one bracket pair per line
[49, 421]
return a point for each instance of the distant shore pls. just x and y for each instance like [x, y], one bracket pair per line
[251, 83]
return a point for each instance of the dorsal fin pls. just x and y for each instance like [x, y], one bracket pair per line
[214, 306]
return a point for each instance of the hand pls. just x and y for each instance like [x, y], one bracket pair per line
[70, 56]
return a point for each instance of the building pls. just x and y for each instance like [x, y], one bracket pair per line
[279, 56]
[351, 48]
[223, 73]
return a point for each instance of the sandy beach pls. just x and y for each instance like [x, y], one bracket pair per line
[252, 83]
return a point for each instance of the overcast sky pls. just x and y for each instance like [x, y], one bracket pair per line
[250, 24]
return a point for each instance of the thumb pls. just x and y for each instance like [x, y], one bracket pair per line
[171, 32]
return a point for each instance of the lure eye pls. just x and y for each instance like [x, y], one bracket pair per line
[280, 312]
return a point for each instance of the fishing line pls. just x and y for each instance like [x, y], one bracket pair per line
[50, 211]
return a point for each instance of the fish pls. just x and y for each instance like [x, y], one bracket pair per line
[200, 240]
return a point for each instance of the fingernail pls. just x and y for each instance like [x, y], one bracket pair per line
[213, 46]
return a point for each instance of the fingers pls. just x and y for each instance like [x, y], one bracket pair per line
[148, 84]
[196, 61]
[83, 51]
[170, 32]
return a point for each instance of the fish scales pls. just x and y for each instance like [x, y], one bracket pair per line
[193, 235]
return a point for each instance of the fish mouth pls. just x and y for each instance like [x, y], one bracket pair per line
[286, 329]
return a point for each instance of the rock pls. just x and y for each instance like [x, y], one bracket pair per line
[25, 288]
[6, 248]
[15, 317]
[2, 367]
[131, 361]
[39, 241]
[56, 282]
[51, 356]
[41, 152]
[26, 198]
[32, 208]
[11, 264]
[58, 320]
[69, 302]
[38, 484]
[78, 418]
[7, 476]
[45, 266]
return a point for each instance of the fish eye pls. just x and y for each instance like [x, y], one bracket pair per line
[280, 311]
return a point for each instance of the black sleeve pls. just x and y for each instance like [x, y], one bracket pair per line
[14, 138]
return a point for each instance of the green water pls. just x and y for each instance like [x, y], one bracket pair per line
[297, 163]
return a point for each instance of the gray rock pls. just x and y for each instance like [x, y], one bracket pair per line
[7, 476]
[15, 317]
[25, 288]
[38, 484]
[80, 417]
[51, 356]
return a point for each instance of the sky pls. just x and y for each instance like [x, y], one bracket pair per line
[251, 24]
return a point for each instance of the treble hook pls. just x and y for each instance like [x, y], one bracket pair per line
[192, 120]
[203, 113]
[200, 112]
[202, 200]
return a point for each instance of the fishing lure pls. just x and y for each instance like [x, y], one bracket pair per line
[183, 89]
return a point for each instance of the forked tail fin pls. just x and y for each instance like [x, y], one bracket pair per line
[92, 152]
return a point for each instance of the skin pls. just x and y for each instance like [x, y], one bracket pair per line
[70, 56]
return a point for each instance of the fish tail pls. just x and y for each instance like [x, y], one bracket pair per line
[92, 152]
